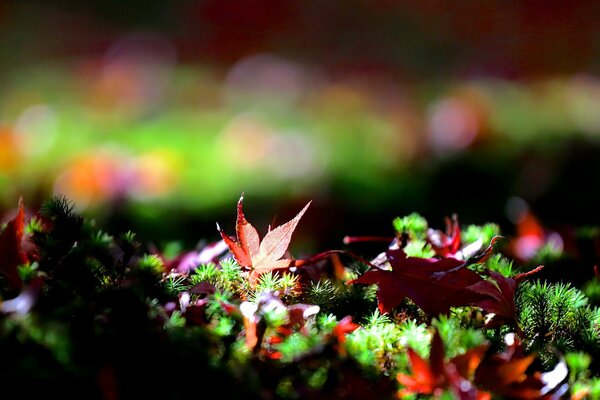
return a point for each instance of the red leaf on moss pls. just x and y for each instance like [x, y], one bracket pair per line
[260, 256]
[11, 251]
[427, 376]
[436, 375]
[433, 284]
[339, 332]
[446, 244]
[508, 374]
[343, 327]
[500, 296]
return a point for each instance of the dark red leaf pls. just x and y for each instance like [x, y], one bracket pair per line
[433, 284]
[11, 249]
[195, 313]
[499, 300]
[500, 296]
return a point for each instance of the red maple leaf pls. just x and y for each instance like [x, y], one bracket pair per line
[500, 296]
[339, 332]
[343, 327]
[435, 376]
[446, 244]
[433, 284]
[12, 253]
[260, 256]
[508, 374]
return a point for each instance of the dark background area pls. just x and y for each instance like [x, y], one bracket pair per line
[414, 39]
[418, 46]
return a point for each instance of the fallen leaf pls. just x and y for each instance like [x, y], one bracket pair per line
[508, 374]
[433, 284]
[436, 375]
[500, 297]
[339, 332]
[260, 256]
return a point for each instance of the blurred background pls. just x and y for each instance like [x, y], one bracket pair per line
[156, 115]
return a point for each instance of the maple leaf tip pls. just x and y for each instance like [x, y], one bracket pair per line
[305, 207]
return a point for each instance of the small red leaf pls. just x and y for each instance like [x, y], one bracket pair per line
[339, 332]
[260, 256]
[343, 327]
[446, 244]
